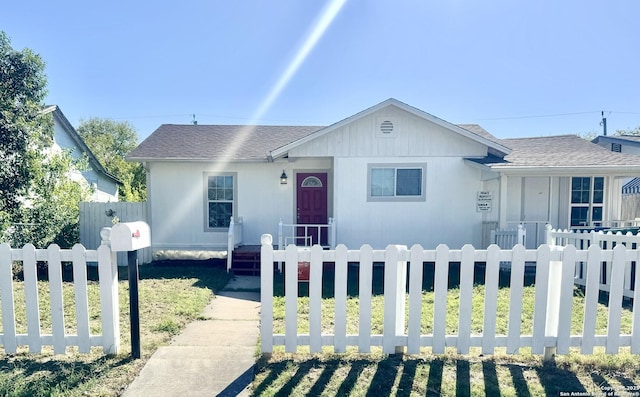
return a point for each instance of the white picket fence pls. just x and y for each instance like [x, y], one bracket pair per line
[34, 337]
[605, 240]
[554, 287]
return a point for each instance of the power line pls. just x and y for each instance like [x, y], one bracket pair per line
[539, 116]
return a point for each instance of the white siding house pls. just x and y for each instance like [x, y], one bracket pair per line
[104, 185]
[391, 174]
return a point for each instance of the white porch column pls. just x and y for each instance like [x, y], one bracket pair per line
[502, 220]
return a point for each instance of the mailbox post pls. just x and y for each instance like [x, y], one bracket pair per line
[130, 237]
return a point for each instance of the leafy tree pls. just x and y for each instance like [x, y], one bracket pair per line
[24, 130]
[38, 197]
[51, 212]
[110, 142]
[635, 131]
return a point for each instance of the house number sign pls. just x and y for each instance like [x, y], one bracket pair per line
[483, 201]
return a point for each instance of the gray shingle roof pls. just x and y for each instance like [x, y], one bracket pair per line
[562, 151]
[237, 142]
[212, 142]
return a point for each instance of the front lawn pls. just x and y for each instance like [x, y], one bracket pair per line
[171, 295]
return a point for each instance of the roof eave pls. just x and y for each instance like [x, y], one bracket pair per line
[613, 170]
[193, 160]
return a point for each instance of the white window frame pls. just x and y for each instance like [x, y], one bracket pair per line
[591, 204]
[396, 198]
[207, 176]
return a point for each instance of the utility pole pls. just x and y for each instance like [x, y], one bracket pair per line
[603, 123]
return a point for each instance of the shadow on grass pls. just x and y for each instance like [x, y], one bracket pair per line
[403, 376]
[27, 375]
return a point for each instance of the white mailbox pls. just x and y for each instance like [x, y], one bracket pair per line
[130, 236]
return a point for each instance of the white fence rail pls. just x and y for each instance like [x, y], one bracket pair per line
[605, 240]
[54, 257]
[551, 330]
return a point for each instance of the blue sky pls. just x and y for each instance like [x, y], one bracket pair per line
[518, 68]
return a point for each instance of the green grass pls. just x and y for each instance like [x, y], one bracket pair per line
[354, 374]
[171, 294]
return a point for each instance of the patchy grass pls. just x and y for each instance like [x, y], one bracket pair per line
[171, 294]
[445, 375]
[353, 374]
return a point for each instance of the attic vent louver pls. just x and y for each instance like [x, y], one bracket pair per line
[386, 127]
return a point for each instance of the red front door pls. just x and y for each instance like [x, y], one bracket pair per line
[311, 202]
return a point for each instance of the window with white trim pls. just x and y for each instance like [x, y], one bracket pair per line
[219, 200]
[396, 182]
[587, 201]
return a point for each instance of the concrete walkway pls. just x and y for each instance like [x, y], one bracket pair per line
[212, 357]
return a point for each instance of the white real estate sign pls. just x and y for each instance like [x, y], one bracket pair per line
[483, 201]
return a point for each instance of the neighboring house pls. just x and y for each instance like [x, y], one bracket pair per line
[631, 189]
[620, 143]
[391, 174]
[104, 186]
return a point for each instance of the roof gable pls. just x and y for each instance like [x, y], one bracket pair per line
[62, 120]
[474, 132]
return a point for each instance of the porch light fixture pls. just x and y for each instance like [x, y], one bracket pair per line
[283, 178]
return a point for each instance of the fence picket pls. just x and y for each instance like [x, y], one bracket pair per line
[515, 299]
[315, 300]
[415, 299]
[81, 298]
[364, 295]
[390, 299]
[340, 321]
[54, 265]
[266, 294]
[492, 272]
[591, 299]
[108, 276]
[8, 307]
[291, 299]
[615, 298]
[29, 265]
[543, 254]
[440, 286]
[566, 299]
[635, 331]
[466, 294]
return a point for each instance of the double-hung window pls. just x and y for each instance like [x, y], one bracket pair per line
[587, 201]
[396, 182]
[220, 200]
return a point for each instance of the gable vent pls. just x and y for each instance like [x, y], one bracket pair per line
[386, 127]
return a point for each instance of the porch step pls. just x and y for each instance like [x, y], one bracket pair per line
[246, 261]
